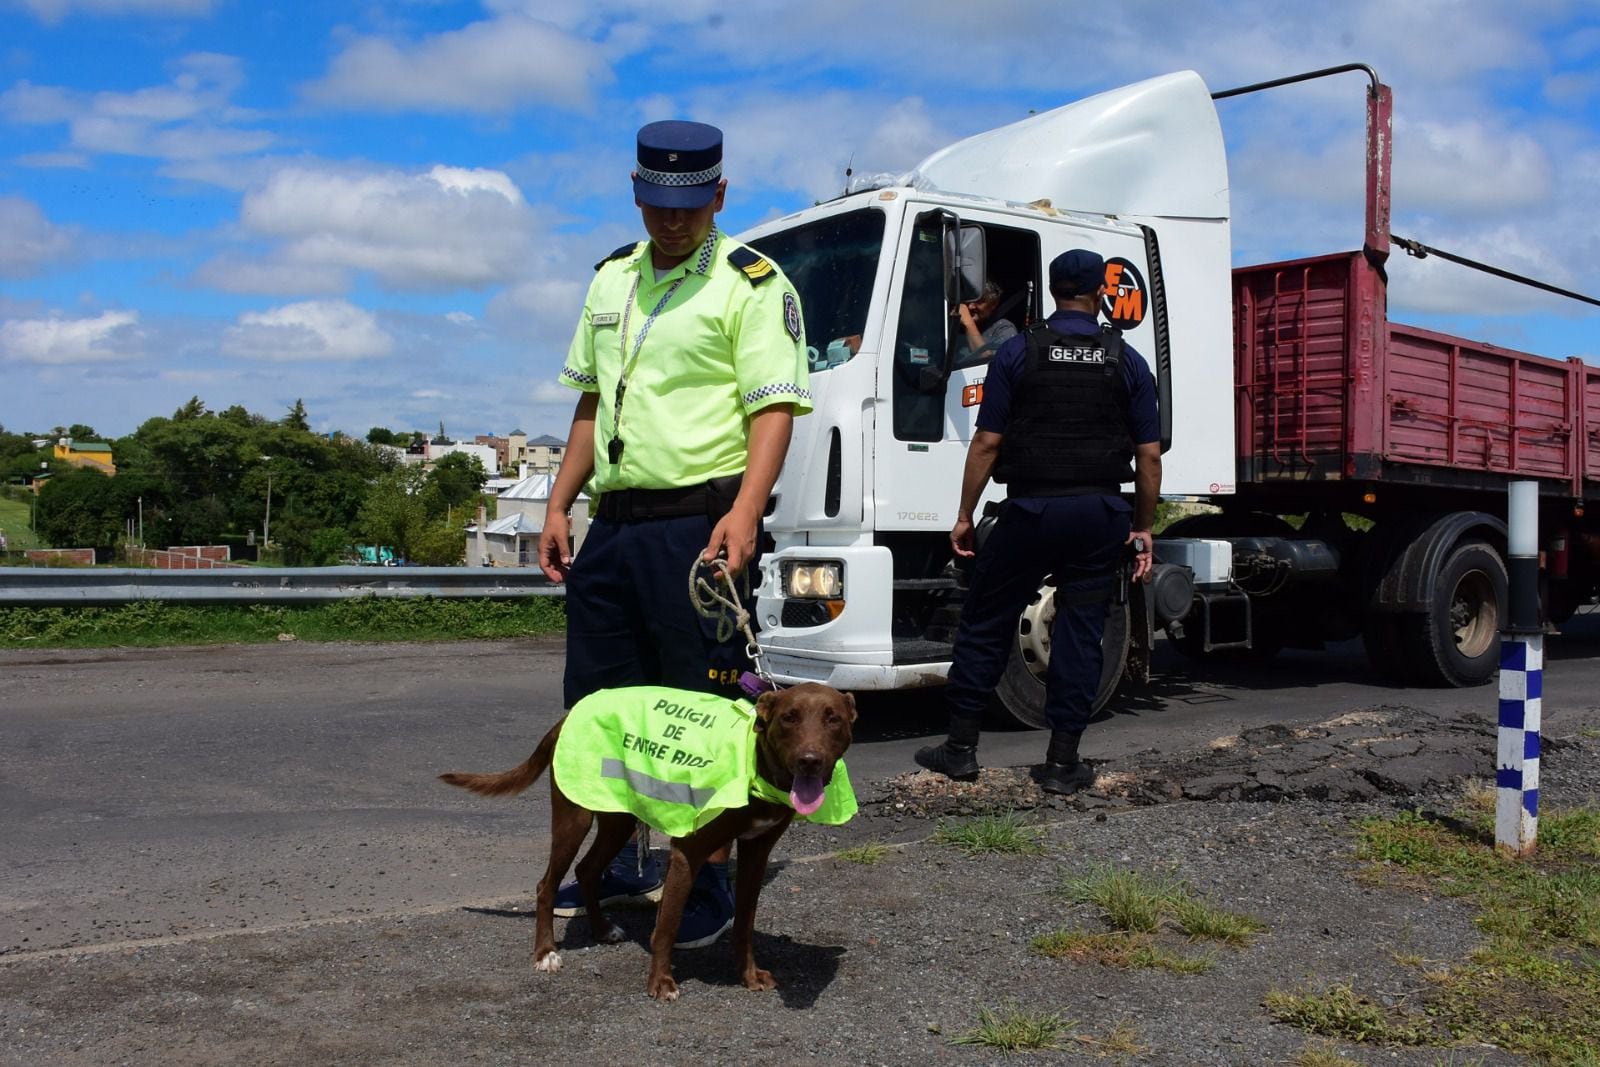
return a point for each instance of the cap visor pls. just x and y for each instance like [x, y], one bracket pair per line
[674, 196]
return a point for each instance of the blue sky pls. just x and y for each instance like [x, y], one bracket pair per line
[391, 209]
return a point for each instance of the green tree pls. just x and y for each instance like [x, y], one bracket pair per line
[378, 435]
[459, 478]
[194, 409]
[79, 432]
[395, 511]
[297, 418]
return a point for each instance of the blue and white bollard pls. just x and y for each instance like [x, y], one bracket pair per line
[1516, 822]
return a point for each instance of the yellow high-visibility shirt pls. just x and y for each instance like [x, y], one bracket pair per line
[728, 342]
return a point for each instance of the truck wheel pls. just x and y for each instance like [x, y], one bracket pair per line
[1021, 689]
[1456, 641]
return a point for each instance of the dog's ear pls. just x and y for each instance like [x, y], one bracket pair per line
[850, 701]
[766, 704]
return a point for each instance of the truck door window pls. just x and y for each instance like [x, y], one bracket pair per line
[919, 340]
[1013, 267]
[832, 263]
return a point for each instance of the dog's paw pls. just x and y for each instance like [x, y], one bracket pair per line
[664, 989]
[550, 962]
[611, 935]
[758, 980]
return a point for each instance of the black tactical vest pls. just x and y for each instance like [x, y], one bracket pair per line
[1069, 429]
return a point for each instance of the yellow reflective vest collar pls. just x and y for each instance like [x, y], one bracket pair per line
[673, 758]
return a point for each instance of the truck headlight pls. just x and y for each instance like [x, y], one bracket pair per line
[813, 581]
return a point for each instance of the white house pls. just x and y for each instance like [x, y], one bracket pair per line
[485, 453]
[511, 539]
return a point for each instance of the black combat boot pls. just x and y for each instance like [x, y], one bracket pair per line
[1063, 772]
[958, 757]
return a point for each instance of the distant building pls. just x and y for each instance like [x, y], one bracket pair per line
[511, 538]
[501, 446]
[437, 449]
[545, 453]
[93, 454]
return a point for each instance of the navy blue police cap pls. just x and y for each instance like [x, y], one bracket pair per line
[1077, 272]
[679, 166]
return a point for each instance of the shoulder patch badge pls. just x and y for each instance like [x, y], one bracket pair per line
[625, 250]
[754, 266]
[791, 315]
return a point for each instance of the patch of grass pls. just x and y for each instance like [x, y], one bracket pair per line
[1339, 1011]
[1005, 834]
[14, 517]
[866, 855]
[1143, 903]
[1121, 1040]
[1130, 951]
[153, 623]
[1323, 1054]
[1014, 1029]
[1202, 920]
[1534, 988]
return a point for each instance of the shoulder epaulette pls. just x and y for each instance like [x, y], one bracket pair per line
[625, 250]
[755, 268]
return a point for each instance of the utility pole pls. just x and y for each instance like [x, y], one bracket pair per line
[266, 529]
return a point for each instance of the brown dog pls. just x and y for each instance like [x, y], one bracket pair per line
[801, 733]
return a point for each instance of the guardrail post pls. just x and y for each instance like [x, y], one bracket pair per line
[1516, 822]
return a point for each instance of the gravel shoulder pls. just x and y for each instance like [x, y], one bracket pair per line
[879, 963]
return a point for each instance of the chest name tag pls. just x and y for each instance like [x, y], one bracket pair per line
[1077, 354]
[605, 318]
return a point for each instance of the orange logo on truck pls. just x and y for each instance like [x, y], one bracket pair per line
[972, 395]
[1124, 302]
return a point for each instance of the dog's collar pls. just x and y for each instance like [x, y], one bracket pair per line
[762, 789]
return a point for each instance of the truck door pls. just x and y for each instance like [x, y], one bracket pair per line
[933, 380]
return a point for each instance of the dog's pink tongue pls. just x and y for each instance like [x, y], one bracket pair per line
[806, 796]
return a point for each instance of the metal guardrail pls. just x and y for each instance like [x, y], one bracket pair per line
[51, 587]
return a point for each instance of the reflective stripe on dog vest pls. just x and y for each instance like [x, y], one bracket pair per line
[673, 758]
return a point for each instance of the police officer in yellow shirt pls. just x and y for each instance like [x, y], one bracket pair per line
[690, 362]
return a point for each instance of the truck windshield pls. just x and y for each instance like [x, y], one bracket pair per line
[832, 262]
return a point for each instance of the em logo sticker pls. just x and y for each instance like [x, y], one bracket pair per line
[1125, 299]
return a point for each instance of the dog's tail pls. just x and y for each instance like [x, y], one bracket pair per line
[514, 781]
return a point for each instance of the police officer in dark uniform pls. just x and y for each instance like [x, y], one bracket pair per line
[1068, 416]
[690, 364]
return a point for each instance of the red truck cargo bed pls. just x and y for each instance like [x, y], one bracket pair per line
[1327, 389]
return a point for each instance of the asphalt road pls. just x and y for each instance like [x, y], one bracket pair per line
[161, 795]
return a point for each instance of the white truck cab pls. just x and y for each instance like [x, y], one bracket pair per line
[861, 592]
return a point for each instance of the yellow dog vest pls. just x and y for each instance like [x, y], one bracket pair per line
[673, 758]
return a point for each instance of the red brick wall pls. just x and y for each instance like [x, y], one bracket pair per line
[187, 558]
[62, 557]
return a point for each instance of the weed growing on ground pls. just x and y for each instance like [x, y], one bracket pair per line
[1014, 1029]
[150, 623]
[1323, 1054]
[866, 855]
[1533, 988]
[1122, 1040]
[1005, 834]
[1131, 951]
[1144, 903]
[1339, 1011]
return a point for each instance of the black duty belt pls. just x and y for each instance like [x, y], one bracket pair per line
[1013, 491]
[711, 499]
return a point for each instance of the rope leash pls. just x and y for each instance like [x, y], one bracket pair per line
[729, 611]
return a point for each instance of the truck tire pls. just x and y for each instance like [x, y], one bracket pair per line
[1021, 688]
[1456, 641]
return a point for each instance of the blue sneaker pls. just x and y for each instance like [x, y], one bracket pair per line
[621, 881]
[708, 913]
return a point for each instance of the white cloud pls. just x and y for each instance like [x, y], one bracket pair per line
[311, 330]
[54, 160]
[108, 336]
[447, 228]
[190, 118]
[491, 66]
[31, 242]
[460, 318]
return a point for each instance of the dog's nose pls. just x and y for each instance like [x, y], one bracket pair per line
[809, 764]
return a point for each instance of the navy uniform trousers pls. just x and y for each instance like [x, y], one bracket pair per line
[629, 617]
[1079, 540]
